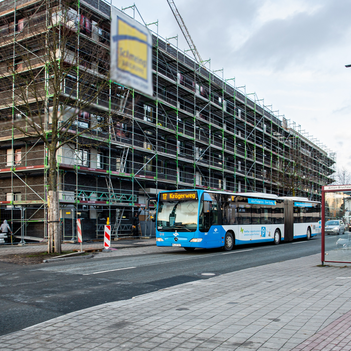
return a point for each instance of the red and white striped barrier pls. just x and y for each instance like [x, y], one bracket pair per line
[107, 238]
[79, 231]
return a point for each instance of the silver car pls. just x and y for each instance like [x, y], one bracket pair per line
[334, 227]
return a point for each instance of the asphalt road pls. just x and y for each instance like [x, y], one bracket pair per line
[33, 294]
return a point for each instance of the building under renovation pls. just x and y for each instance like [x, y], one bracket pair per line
[196, 131]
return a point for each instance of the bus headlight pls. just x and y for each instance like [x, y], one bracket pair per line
[196, 240]
[159, 239]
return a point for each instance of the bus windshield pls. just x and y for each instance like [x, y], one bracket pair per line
[177, 215]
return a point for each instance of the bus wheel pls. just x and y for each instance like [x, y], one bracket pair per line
[228, 241]
[277, 237]
[189, 249]
[308, 236]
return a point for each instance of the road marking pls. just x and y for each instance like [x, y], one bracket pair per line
[343, 277]
[111, 270]
[235, 252]
[298, 242]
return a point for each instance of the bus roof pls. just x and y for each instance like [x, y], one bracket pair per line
[252, 194]
[297, 198]
[260, 195]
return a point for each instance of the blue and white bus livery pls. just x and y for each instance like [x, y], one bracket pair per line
[209, 219]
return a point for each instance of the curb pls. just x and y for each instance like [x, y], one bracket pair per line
[57, 259]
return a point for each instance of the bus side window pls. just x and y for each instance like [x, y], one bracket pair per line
[244, 214]
[226, 213]
[266, 215]
[255, 214]
[278, 213]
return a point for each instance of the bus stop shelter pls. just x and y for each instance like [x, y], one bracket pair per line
[336, 224]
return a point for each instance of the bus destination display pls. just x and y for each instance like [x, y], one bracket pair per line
[179, 196]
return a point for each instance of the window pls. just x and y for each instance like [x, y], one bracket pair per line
[266, 215]
[13, 197]
[256, 214]
[181, 147]
[198, 154]
[9, 157]
[83, 120]
[244, 213]
[104, 37]
[99, 161]
[85, 25]
[81, 157]
[223, 103]
[278, 213]
[161, 168]
[121, 129]
[198, 178]
[147, 145]
[118, 164]
[148, 113]
[148, 163]
[219, 157]
[18, 156]
[180, 78]
[180, 175]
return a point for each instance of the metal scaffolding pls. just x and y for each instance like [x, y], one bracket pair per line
[197, 131]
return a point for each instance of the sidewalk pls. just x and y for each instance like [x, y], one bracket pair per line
[293, 305]
[87, 246]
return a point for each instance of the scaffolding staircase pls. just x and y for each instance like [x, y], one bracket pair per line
[124, 159]
[116, 226]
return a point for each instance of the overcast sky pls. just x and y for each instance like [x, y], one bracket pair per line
[290, 53]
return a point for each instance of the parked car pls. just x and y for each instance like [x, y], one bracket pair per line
[334, 227]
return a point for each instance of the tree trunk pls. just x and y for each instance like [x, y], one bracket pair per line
[54, 223]
[54, 234]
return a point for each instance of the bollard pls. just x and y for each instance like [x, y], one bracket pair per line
[107, 238]
[79, 234]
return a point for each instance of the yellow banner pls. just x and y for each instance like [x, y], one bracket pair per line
[132, 50]
[131, 53]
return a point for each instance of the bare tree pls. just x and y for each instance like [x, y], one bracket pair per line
[342, 176]
[53, 78]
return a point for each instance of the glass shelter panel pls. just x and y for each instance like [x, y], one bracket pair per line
[336, 226]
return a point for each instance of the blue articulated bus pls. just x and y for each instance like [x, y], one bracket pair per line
[210, 219]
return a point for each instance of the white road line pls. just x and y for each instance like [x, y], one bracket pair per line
[235, 252]
[111, 270]
[298, 242]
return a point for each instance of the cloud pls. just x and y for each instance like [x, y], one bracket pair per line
[343, 110]
[290, 41]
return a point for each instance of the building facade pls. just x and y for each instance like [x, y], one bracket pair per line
[196, 131]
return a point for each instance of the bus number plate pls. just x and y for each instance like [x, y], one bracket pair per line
[176, 245]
